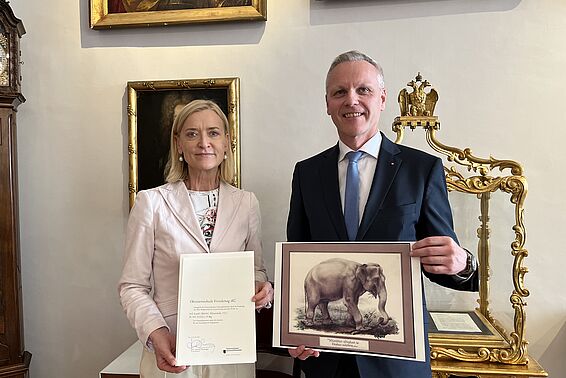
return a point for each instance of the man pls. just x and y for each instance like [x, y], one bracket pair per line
[400, 195]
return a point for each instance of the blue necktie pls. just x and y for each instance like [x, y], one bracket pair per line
[351, 197]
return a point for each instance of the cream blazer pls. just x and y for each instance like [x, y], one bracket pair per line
[162, 226]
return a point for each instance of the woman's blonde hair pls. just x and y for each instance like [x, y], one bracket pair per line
[175, 169]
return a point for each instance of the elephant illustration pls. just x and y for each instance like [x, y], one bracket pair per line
[336, 279]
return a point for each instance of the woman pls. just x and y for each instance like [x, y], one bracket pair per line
[197, 211]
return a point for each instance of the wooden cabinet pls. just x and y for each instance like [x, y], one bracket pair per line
[14, 360]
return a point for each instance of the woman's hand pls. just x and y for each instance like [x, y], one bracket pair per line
[263, 295]
[302, 353]
[164, 347]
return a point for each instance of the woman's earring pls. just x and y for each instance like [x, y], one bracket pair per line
[181, 157]
[225, 156]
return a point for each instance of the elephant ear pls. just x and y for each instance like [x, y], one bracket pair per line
[361, 273]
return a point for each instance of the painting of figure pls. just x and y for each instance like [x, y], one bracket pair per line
[108, 14]
[156, 111]
[152, 107]
[121, 6]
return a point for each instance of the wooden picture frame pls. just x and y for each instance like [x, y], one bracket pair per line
[329, 322]
[106, 14]
[151, 107]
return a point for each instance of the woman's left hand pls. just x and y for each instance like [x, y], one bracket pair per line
[263, 295]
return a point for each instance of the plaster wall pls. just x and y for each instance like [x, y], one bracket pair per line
[498, 65]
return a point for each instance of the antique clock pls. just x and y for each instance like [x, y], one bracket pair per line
[14, 360]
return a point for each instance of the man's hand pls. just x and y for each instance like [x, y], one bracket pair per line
[302, 353]
[440, 255]
[263, 295]
[164, 347]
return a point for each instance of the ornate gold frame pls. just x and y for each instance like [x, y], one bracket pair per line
[101, 19]
[231, 86]
[478, 179]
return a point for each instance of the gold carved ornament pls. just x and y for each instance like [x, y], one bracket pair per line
[417, 110]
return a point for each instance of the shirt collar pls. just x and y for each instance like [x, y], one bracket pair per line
[371, 147]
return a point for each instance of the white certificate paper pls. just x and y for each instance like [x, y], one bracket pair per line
[216, 317]
[454, 322]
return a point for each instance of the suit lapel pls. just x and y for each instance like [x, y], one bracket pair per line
[177, 199]
[229, 200]
[331, 191]
[387, 166]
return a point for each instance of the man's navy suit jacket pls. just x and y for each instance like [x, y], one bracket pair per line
[408, 201]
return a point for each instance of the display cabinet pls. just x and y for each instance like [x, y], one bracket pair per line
[477, 334]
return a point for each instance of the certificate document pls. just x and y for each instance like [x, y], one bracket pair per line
[454, 322]
[216, 317]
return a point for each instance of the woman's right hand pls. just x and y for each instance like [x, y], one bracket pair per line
[302, 353]
[164, 347]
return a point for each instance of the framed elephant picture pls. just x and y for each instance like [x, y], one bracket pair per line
[349, 297]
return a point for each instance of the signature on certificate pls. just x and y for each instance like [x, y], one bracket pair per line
[196, 344]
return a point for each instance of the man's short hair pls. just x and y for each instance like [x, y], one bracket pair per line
[356, 56]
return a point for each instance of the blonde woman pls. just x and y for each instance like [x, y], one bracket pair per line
[196, 211]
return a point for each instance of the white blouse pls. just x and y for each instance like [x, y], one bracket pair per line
[205, 204]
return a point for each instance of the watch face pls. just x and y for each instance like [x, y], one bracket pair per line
[4, 62]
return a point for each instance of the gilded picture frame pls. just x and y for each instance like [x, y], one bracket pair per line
[151, 110]
[106, 14]
[361, 298]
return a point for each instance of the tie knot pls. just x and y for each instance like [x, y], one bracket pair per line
[354, 156]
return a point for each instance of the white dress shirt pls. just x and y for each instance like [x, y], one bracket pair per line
[366, 169]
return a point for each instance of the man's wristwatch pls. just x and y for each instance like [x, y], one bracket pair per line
[471, 266]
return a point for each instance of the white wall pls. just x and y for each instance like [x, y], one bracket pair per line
[498, 64]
